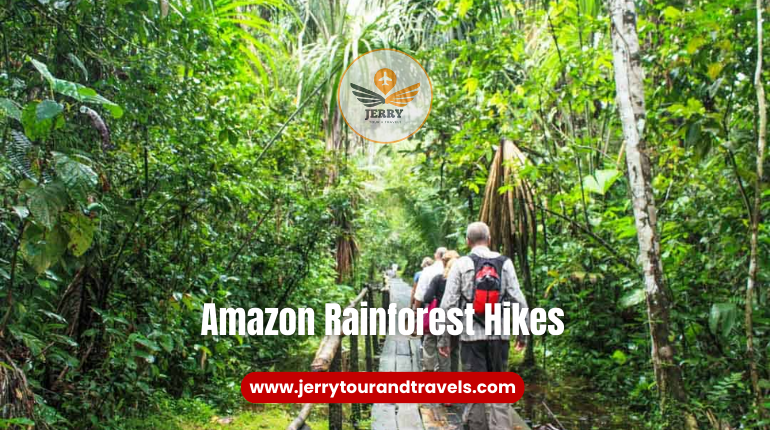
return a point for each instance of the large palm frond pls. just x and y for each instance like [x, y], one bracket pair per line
[249, 23]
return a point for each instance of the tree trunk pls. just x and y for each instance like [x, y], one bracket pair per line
[755, 213]
[629, 84]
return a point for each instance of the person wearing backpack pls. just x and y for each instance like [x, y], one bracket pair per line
[483, 277]
[432, 361]
[427, 261]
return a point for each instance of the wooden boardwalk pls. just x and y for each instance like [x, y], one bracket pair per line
[403, 354]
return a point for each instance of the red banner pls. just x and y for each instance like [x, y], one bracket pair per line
[385, 387]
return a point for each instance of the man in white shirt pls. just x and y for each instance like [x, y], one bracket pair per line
[428, 273]
[430, 343]
[479, 352]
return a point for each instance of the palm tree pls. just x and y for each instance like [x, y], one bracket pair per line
[246, 23]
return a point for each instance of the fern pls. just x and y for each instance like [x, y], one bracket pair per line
[725, 389]
[17, 150]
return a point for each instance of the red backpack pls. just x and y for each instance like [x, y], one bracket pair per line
[487, 282]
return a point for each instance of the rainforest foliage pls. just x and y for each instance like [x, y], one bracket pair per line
[160, 154]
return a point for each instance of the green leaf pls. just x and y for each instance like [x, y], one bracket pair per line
[80, 229]
[18, 421]
[76, 61]
[10, 109]
[671, 13]
[632, 299]
[601, 181]
[79, 178]
[34, 128]
[619, 357]
[87, 92]
[463, 6]
[21, 211]
[722, 318]
[77, 91]
[471, 85]
[41, 248]
[48, 109]
[45, 202]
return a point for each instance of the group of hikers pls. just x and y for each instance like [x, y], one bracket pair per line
[451, 281]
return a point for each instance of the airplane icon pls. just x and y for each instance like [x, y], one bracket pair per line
[385, 79]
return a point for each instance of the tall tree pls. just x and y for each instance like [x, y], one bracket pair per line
[755, 212]
[629, 84]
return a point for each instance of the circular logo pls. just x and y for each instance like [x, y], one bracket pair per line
[385, 96]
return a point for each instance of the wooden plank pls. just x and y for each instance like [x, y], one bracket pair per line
[416, 352]
[384, 416]
[408, 417]
[403, 348]
[404, 364]
[389, 348]
[388, 363]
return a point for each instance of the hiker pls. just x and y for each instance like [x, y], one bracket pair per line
[432, 361]
[392, 272]
[427, 275]
[427, 261]
[482, 277]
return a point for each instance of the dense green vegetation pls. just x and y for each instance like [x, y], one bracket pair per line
[157, 155]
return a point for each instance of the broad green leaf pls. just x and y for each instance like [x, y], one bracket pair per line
[619, 357]
[714, 70]
[633, 298]
[10, 109]
[45, 202]
[722, 318]
[41, 247]
[80, 229]
[463, 6]
[47, 109]
[77, 91]
[77, 177]
[470, 85]
[76, 61]
[671, 13]
[601, 181]
[21, 211]
[18, 421]
[694, 44]
[591, 185]
[34, 128]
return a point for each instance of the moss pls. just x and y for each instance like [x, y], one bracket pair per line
[259, 417]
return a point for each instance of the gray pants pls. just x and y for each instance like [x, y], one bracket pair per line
[454, 355]
[487, 356]
[432, 361]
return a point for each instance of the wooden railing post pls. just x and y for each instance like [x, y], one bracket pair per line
[335, 409]
[328, 357]
[385, 302]
[369, 353]
[374, 341]
[355, 407]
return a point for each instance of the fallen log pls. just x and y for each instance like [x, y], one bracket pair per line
[299, 422]
[331, 343]
[329, 346]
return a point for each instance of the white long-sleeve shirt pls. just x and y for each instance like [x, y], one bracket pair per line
[460, 284]
[427, 275]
